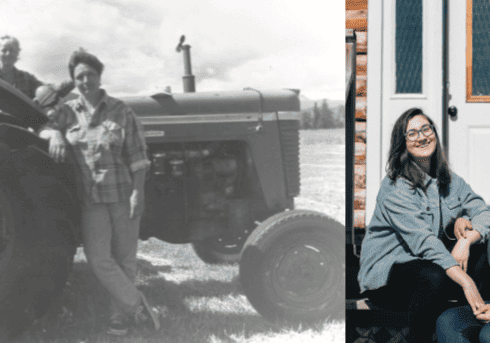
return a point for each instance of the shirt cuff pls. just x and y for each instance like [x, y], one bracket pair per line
[448, 263]
[141, 164]
[481, 230]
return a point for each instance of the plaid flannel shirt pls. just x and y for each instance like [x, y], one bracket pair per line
[106, 147]
[25, 82]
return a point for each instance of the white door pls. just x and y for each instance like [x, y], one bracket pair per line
[404, 71]
[469, 92]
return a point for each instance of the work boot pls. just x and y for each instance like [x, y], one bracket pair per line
[118, 324]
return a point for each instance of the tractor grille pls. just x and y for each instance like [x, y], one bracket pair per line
[289, 130]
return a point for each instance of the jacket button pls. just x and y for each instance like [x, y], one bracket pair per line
[428, 208]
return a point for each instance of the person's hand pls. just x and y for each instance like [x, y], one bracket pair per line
[473, 296]
[485, 310]
[484, 314]
[57, 147]
[460, 228]
[461, 253]
[136, 202]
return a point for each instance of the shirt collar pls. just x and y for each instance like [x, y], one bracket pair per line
[80, 104]
[427, 179]
[14, 70]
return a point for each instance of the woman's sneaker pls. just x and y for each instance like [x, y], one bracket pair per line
[118, 324]
[144, 313]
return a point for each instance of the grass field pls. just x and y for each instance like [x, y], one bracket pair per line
[206, 302]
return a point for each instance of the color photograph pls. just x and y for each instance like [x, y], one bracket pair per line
[417, 266]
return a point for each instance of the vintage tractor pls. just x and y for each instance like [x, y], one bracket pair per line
[224, 174]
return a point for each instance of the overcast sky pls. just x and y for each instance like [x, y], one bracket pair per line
[235, 44]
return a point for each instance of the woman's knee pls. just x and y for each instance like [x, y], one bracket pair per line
[101, 265]
[432, 274]
[446, 321]
[485, 334]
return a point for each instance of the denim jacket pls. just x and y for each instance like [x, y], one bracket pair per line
[407, 225]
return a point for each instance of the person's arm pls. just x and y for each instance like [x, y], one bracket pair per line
[474, 226]
[461, 250]
[53, 132]
[137, 199]
[475, 209]
[469, 287]
[57, 143]
[138, 163]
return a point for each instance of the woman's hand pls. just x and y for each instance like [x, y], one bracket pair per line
[460, 228]
[484, 313]
[461, 253]
[473, 296]
[57, 146]
[485, 316]
[136, 203]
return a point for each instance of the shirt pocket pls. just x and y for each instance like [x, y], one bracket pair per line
[74, 134]
[112, 136]
[454, 205]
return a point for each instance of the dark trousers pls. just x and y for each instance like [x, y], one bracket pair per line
[419, 287]
[423, 289]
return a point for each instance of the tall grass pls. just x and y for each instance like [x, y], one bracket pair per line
[323, 136]
[206, 302]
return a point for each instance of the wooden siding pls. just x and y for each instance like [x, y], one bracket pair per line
[356, 18]
[356, 4]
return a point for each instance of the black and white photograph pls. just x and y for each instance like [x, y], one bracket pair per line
[173, 171]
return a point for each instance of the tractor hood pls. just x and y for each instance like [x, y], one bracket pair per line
[20, 106]
[220, 102]
[17, 104]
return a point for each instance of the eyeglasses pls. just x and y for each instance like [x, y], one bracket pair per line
[413, 135]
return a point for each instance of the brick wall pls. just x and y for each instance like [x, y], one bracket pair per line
[356, 18]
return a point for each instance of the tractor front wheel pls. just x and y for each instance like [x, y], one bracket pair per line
[292, 267]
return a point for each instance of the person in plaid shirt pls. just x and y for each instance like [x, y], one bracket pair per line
[105, 141]
[22, 80]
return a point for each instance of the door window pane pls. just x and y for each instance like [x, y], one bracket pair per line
[481, 48]
[408, 46]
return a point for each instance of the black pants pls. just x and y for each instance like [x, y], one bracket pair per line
[423, 289]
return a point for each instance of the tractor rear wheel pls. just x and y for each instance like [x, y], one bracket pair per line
[292, 267]
[37, 240]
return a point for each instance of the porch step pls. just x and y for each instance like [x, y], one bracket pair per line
[368, 323]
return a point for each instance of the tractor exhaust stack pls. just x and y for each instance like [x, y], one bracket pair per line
[188, 78]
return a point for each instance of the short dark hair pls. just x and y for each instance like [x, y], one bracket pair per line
[82, 56]
[402, 164]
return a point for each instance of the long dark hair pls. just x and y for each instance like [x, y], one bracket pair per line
[402, 164]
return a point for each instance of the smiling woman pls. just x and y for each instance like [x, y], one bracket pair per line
[421, 141]
[105, 143]
[409, 253]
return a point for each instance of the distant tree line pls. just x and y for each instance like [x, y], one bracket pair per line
[323, 117]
